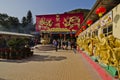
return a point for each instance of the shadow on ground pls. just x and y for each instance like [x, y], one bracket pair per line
[37, 58]
[2, 79]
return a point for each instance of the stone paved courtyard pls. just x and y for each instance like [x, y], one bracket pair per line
[48, 65]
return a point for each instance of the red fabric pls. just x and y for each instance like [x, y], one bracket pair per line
[69, 21]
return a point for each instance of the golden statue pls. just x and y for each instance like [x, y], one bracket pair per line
[103, 49]
[85, 44]
[90, 46]
[107, 49]
[95, 45]
[115, 50]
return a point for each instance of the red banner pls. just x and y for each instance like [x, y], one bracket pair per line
[59, 22]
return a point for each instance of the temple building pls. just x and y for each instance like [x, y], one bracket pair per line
[58, 26]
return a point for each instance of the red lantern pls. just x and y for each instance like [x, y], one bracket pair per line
[80, 30]
[100, 11]
[89, 22]
[83, 27]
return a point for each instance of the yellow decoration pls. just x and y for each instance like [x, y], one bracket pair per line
[70, 22]
[100, 14]
[45, 22]
[88, 24]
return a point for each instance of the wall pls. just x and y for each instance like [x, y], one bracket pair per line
[116, 21]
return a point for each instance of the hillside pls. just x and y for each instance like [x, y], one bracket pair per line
[85, 11]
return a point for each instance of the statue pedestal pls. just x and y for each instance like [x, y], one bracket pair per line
[113, 71]
[94, 58]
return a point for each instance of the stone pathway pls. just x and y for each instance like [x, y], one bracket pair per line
[48, 65]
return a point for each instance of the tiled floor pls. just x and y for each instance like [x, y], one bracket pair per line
[48, 65]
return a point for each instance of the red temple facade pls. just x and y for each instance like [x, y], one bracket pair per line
[59, 22]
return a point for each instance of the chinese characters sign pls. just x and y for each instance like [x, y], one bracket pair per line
[59, 22]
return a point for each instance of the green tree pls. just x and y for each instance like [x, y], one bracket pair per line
[13, 21]
[4, 19]
[24, 21]
[16, 21]
[29, 17]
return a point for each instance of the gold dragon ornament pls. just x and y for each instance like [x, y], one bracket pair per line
[70, 22]
[46, 22]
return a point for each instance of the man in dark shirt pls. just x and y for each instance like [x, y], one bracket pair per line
[74, 47]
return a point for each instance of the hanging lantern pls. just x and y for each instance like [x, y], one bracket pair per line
[80, 30]
[83, 27]
[89, 22]
[100, 11]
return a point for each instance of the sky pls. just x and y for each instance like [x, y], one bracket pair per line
[19, 8]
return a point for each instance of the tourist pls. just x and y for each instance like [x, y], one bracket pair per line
[66, 44]
[74, 46]
[59, 43]
[63, 45]
[55, 43]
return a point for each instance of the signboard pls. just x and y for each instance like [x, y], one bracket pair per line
[59, 22]
[95, 26]
[106, 19]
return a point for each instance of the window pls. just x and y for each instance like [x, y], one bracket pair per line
[107, 31]
[89, 34]
[110, 30]
[96, 32]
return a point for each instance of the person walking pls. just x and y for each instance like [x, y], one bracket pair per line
[74, 47]
[55, 43]
[59, 43]
[66, 43]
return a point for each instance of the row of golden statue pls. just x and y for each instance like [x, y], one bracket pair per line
[105, 48]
